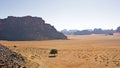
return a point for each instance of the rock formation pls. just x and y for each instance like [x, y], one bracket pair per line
[9, 59]
[118, 29]
[27, 28]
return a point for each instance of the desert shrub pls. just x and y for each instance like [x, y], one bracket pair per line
[54, 52]
[14, 46]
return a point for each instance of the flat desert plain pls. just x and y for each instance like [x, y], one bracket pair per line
[79, 51]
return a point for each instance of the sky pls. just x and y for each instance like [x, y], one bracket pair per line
[67, 14]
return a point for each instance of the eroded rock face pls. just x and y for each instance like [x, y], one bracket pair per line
[118, 29]
[9, 59]
[27, 28]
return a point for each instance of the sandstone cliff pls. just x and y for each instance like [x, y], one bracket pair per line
[27, 28]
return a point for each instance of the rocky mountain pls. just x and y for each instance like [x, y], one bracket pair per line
[68, 32]
[10, 59]
[95, 31]
[27, 28]
[90, 31]
[118, 29]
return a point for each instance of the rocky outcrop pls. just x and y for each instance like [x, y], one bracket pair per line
[9, 59]
[27, 28]
[118, 29]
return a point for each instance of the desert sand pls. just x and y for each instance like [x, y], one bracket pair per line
[79, 51]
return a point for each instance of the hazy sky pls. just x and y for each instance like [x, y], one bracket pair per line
[67, 14]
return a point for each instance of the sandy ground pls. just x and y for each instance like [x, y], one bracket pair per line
[87, 51]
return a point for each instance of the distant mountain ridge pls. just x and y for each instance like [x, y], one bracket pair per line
[90, 31]
[27, 28]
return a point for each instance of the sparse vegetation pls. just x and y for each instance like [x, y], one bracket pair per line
[54, 52]
[90, 51]
[14, 46]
